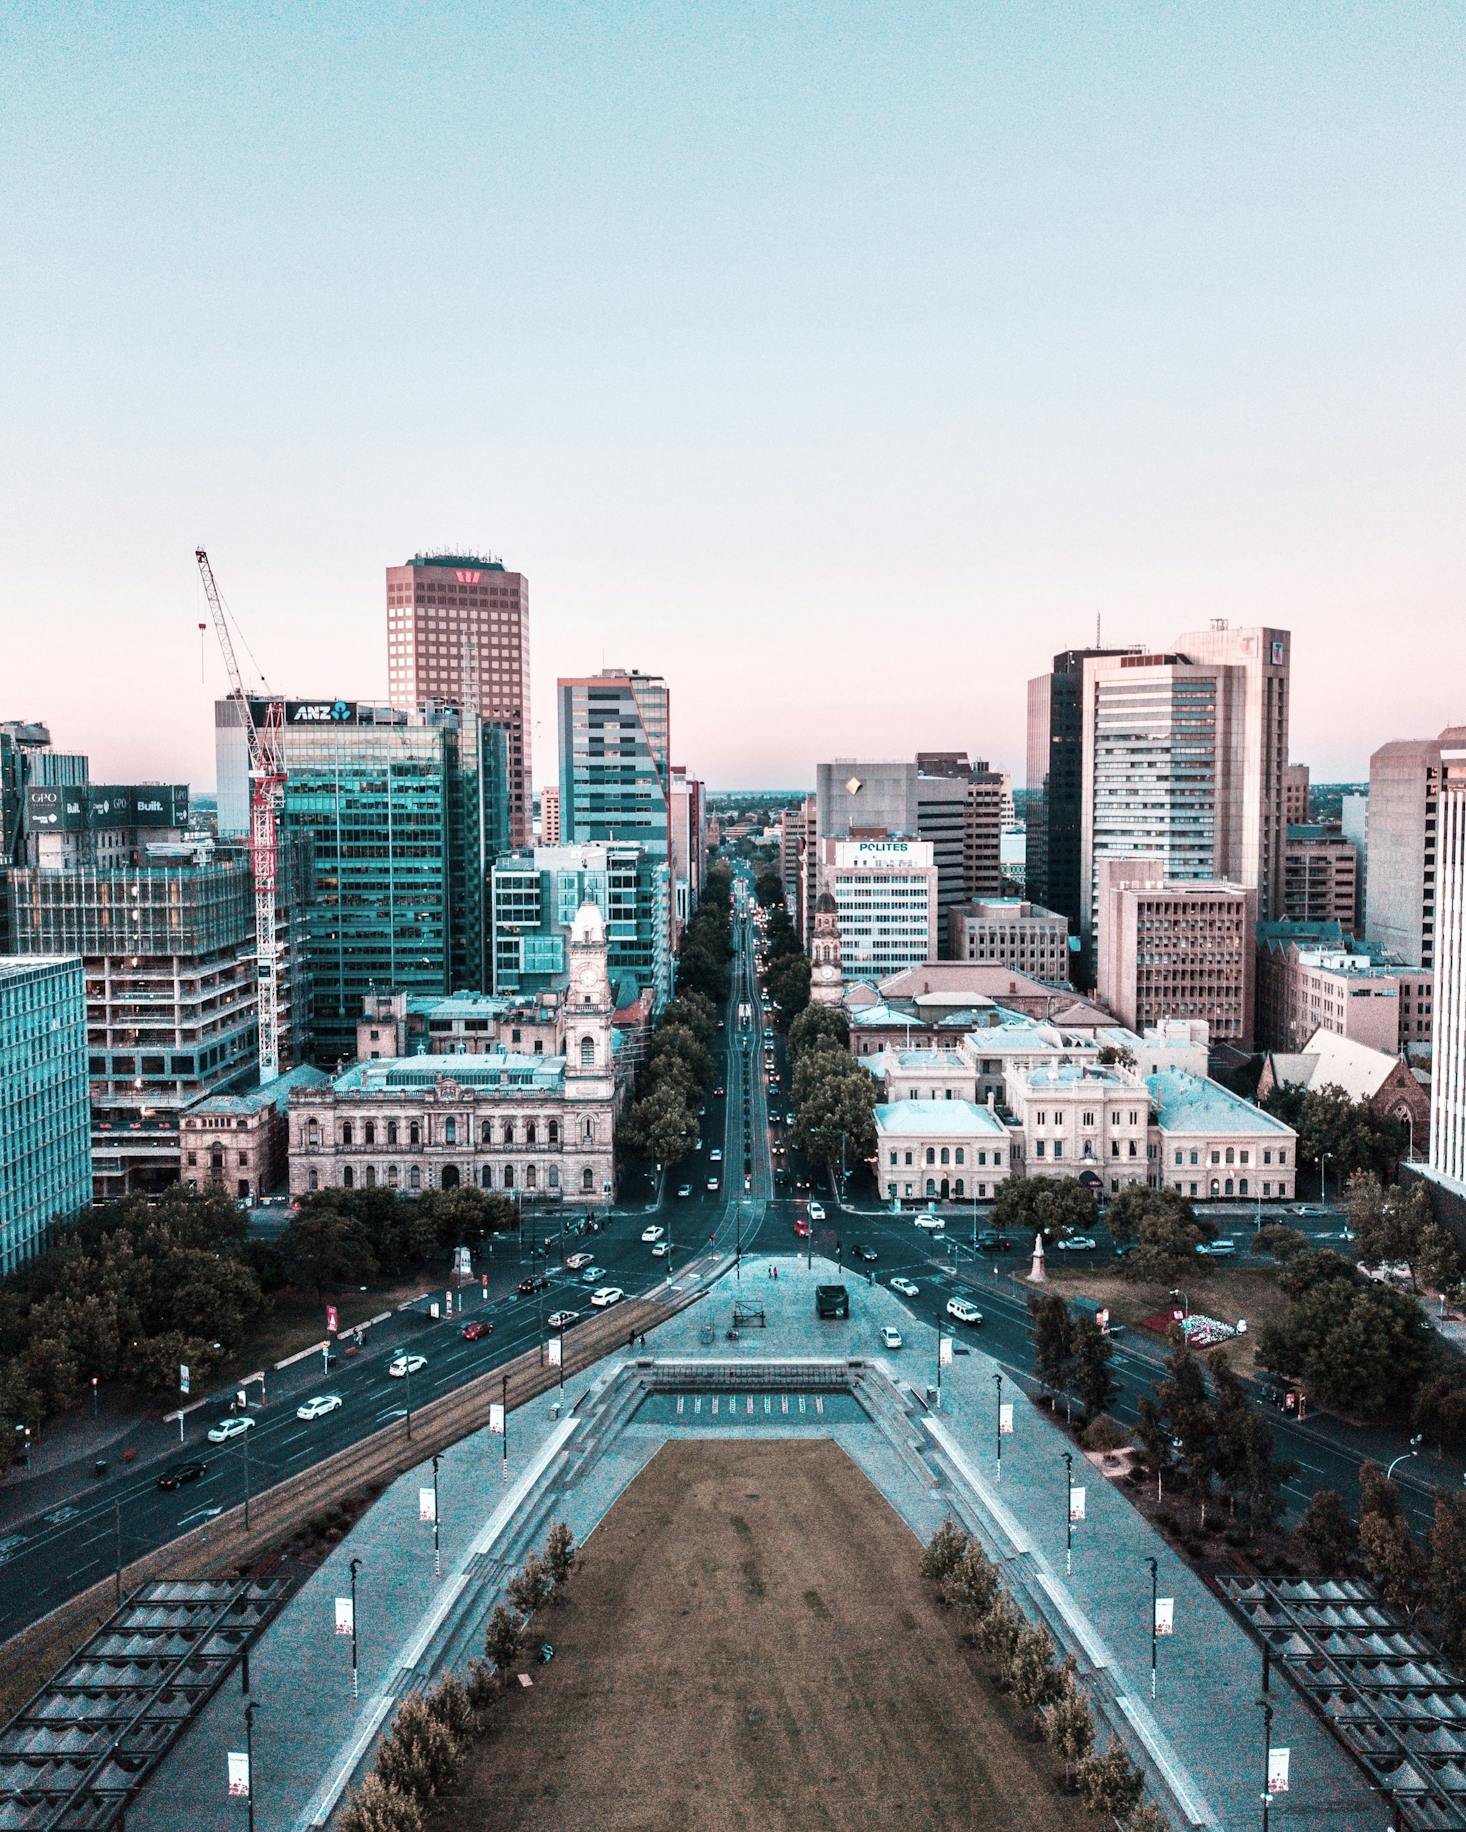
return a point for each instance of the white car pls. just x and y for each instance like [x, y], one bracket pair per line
[662, 1249]
[404, 1365]
[816, 1211]
[712, 1183]
[318, 1407]
[907, 1287]
[962, 1311]
[933, 1224]
[562, 1319]
[1075, 1243]
[230, 1428]
[651, 1234]
[577, 1260]
[715, 1156]
[607, 1296]
[890, 1338]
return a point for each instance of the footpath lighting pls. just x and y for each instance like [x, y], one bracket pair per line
[998, 1382]
[1162, 1619]
[348, 1627]
[1068, 1512]
[241, 1766]
[427, 1508]
[1414, 1451]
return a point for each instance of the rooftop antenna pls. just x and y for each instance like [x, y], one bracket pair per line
[1098, 642]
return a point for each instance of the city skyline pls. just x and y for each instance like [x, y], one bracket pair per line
[788, 332]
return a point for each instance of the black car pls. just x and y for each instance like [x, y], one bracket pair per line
[868, 1254]
[528, 1287]
[990, 1241]
[180, 1473]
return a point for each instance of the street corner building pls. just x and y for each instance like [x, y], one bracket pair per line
[537, 1128]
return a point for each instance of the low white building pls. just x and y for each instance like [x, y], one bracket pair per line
[943, 1150]
[1212, 1144]
[932, 1074]
[1079, 1119]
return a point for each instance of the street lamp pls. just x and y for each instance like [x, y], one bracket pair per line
[998, 1381]
[1267, 1745]
[355, 1567]
[1185, 1302]
[1068, 1513]
[1323, 1158]
[249, 1759]
[437, 1544]
[1154, 1576]
[1414, 1451]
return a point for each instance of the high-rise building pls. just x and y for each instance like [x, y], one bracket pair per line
[1011, 932]
[1171, 949]
[1295, 794]
[1183, 755]
[885, 893]
[27, 761]
[1055, 784]
[404, 813]
[1320, 876]
[1313, 976]
[1448, 1070]
[615, 759]
[458, 635]
[45, 1117]
[873, 797]
[550, 814]
[1403, 827]
[688, 832]
[536, 895]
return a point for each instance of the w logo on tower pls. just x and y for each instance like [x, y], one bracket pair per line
[467, 578]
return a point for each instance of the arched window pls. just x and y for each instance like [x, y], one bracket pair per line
[414, 1133]
[371, 1176]
[391, 1176]
[588, 1131]
[1230, 1158]
[529, 1177]
[931, 1186]
[931, 1156]
[391, 1132]
[960, 1156]
[414, 1177]
[369, 1133]
[346, 1132]
[509, 1176]
[450, 1177]
[957, 1187]
[587, 1052]
[485, 1133]
[450, 1131]
[946, 1156]
[509, 1132]
[554, 1176]
[530, 1133]
[486, 1177]
[1242, 1187]
[313, 1180]
[312, 1133]
[348, 1178]
[587, 1181]
[554, 1132]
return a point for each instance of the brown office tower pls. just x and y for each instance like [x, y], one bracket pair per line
[458, 635]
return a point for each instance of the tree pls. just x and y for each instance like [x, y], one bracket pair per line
[323, 1248]
[1358, 1348]
[815, 1025]
[1052, 1206]
[1395, 1561]
[1439, 1408]
[1445, 1584]
[1032, 1675]
[1282, 1243]
[1328, 1121]
[788, 984]
[1053, 1342]
[1326, 1534]
[769, 889]
[419, 1755]
[562, 1555]
[691, 1011]
[378, 1807]
[1068, 1729]
[835, 1119]
[1377, 1493]
[1398, 1227]
[1138, 1203]
[1167, 1234]
[943, 1552]
[451, 1705]
[503, 1640]
[1154, 1433]
[1147, 1818]
[998, 1631]
[661, 1128]
[1093, 1379]
[971, 1586]
[531, 1587]
[1184, 1402]
[1110, 1783]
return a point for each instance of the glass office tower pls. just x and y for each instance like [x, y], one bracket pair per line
[45, 1114]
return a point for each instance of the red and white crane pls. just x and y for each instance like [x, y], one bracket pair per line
[266, 798]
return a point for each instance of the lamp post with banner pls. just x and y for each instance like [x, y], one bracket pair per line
[427, 1509]
[1005, 1422]
[499, 1422]
[241, 1767]
[944, 1359]
[1069, 1512]
[346, 1624]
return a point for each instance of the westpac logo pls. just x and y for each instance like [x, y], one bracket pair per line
[467, 578]
[320, 712]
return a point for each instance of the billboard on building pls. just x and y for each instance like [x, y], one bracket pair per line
[98, 807]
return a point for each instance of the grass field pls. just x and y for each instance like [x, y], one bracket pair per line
[748, 1645]
[1216, 1288]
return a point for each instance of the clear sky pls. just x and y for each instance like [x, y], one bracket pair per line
[840, 362]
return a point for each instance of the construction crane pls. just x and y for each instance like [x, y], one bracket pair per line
[266, 798]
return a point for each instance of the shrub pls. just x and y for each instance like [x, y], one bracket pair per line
[503, 1640]
[378, 1807]
[1103, 1433]
[419, 1756]
[451, 1704]
[1110, 1784]
[532, 1587]
[562, 1554]
[945, 1548]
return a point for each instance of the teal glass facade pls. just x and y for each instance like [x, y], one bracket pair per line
[45, 1110]
[536, 895]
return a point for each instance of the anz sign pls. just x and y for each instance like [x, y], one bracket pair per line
[320, 712]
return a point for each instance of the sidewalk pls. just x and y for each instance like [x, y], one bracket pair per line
[309, 1728]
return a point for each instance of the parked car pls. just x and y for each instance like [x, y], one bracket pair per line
[404, 1365]
[890, 1338]
[477, 1330]
[180, 1473]
[230, 1428]
[651, 1234]
[562, 1319]
[990, 1241]
[907, 1287]
[962, 1311]
[1075, 1243]
[1217, 1249]
[607, 1296]
[318, 1407]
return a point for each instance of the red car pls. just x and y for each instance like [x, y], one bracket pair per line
[802, 1228]
[472, 1332]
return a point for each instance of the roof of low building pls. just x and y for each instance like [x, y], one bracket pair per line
[1195, 1104]
[914, 1118]
[1060, 1075]
[1340, 1062]
[274, 1093]
[495, 1072]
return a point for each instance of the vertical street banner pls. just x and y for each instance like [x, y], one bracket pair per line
[554, 1351]
[427, 1505]
[1277, 1770]
[183, 1378]
[944, 1352]
[1165, 1615]
[1102, 1318]
[1076, 1504]
[496, 1418]
[1005, 1420]
[238, 1775]
[333, 1321]
[345, 1617]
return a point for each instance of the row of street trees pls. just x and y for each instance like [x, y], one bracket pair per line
[1354, 1136]
[1022, 1660]
[349, 1237]
[1208, 1439]
[834, 1097]
[786, 968]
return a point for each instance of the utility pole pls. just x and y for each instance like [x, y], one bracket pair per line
[245, 1442]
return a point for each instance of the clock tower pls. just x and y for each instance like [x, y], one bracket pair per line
[590, 1083]
[826, 979]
